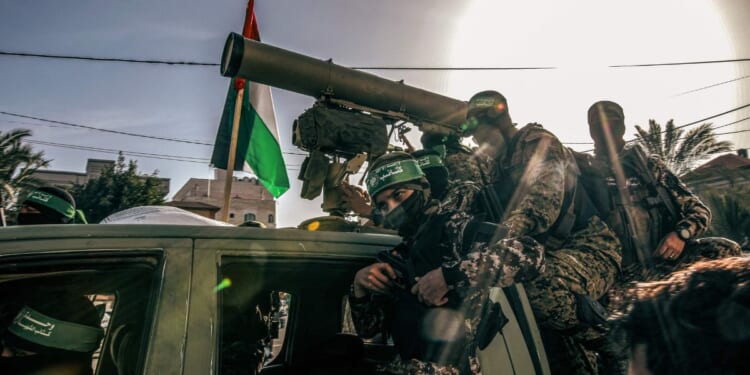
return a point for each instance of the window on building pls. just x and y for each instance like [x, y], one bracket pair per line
[231, 215]
[249, 216]
[270, 218]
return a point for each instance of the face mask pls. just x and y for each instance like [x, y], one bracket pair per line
[404, 216]
[35, 219]
[31, 364]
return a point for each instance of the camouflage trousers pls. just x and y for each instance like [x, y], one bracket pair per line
[415, 367]
[587, 265]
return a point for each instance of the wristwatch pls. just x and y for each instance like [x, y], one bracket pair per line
[684, 233]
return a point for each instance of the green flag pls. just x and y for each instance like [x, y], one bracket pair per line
[258, 148]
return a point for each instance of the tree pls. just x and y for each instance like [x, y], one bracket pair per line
[118, 188]
[731, 214]
[18, 162]
[681, 151]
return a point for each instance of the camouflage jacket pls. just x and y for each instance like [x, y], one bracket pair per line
[640, 213]
[531, 176]
[471, 263]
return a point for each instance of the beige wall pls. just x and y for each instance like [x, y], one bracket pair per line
[248, 197]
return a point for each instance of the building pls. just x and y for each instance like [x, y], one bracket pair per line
[250, 201]
[723, 172]
[94, 169]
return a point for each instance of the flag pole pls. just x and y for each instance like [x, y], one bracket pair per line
[232, 151]
[250, 30]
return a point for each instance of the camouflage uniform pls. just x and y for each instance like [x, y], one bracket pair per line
[531, 181]
[470, 268]
[646, 222]
[641, 224]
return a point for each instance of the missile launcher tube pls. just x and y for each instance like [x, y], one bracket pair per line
[305, 75]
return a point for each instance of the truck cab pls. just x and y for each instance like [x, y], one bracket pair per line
[180, 299]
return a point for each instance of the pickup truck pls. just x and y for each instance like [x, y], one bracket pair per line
[182, 299]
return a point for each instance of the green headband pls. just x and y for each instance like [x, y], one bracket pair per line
[429, 161]
[40, 329]
[56, 203]
[391, 174]
[483, 102]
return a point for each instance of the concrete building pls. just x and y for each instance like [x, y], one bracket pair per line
[94, 169]
[723, 172]
[250, 201]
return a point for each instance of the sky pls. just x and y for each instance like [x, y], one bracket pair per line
[581, 39]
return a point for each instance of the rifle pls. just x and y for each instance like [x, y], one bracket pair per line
[404, 270]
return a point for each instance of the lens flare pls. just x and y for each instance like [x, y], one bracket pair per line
[226, 283]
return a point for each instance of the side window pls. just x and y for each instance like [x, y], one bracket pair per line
[249, 216]
[253, 327]
[279, 313]
[99, 305]
[270, 218]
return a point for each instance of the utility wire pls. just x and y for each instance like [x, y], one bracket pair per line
[194, 63]
[678, 63]
[714, 116]
[107, 130]
[710, 86]
[114, 131]
[682, 126]
[107, 59]
[189, 159]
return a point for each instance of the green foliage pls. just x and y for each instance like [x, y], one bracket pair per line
[681, 151]
[731, 214]
[18, 162]
[118, 188]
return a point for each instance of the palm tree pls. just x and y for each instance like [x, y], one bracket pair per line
[679, 150]
[731, 215]
[18, 162]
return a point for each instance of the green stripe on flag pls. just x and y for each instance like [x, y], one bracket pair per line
[256, 145]
[264, 157]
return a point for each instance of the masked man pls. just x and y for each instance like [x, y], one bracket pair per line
[534, 185]
[430, 291]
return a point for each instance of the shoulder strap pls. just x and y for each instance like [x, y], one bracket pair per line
[642, 167]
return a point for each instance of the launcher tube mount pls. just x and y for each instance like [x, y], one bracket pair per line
[305, 75]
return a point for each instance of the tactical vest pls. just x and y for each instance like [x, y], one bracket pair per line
[577, 207]
[640, 211]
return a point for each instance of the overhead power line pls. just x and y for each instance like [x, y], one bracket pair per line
[710, 86]
[107, 59]
[714, 116]
[107, 130]
[189, 159]
[479, 68]
[688, 124]
[118, 132]
[679, 63]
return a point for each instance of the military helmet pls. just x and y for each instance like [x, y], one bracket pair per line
[392, 169]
